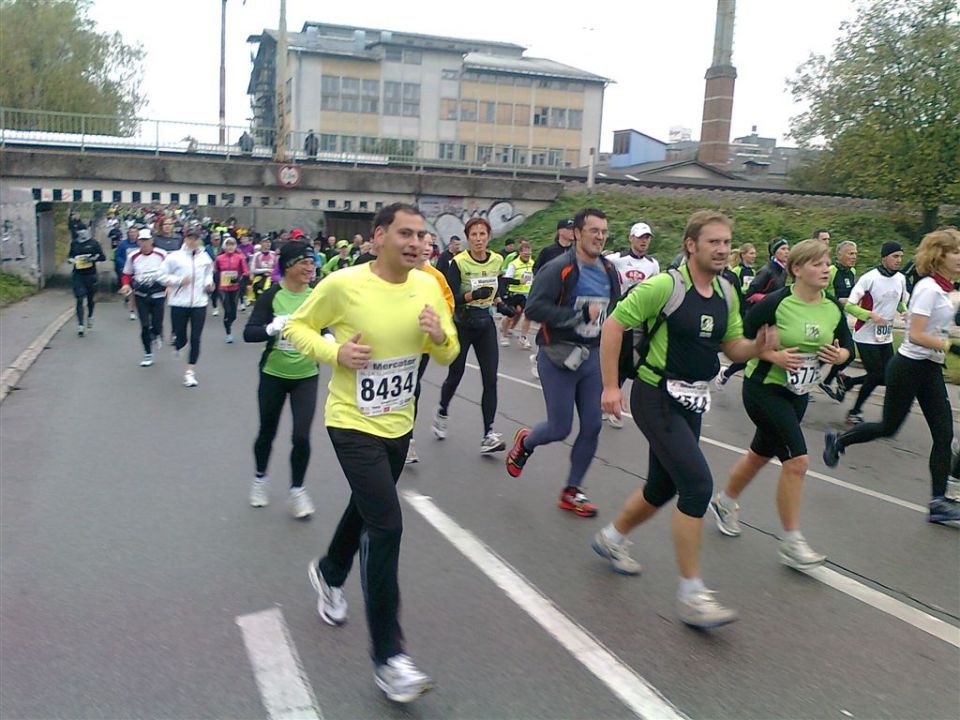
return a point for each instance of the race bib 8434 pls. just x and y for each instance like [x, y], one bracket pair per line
[387, 385]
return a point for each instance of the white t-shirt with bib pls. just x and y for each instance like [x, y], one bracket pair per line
[933, 303]
[886, 294]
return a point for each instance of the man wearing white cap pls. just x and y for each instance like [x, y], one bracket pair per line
[635, 266]
[141, 278]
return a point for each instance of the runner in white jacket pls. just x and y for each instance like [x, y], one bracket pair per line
[189, 273]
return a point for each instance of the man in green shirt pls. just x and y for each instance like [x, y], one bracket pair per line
[670, 396]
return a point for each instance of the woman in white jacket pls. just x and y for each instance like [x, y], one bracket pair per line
[189, 273]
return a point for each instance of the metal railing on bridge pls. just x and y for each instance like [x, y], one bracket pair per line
[88, 132]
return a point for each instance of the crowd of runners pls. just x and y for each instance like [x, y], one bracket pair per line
[378, 309]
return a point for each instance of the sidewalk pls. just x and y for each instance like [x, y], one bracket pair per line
[24, 321]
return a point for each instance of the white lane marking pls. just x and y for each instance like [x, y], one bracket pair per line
[742, 451]
[919, 619]
[636, 693]
[284, 687]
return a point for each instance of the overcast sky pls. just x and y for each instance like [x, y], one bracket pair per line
[655, 51]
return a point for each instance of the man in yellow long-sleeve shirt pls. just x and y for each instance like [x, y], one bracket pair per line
[383, 316]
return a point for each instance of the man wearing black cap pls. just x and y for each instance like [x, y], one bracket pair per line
[875, 300]
[561, 243]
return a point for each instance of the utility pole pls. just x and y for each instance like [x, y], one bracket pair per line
[223, 72]
[280, 140]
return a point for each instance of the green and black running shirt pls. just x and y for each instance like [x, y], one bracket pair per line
[805, 326]
[685, 346]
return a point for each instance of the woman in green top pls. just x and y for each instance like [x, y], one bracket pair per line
[284, 371]
[812, 330]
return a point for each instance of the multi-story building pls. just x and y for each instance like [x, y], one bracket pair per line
[362, 90]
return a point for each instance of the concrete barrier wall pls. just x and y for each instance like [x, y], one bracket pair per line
[19, 250]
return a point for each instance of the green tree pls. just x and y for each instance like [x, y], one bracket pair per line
[885, 107]
[52, 58]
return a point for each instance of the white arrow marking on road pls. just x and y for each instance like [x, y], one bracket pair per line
[636, 693]
[284, 688]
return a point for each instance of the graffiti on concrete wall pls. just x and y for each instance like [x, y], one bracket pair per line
[12, 243]
[18, 232]
[446, 216]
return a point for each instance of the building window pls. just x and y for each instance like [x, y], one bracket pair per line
[503, 155]
[118, 196]
[328, 143]
[621, 143]
[349, 104]
[488, 78]
[412, 57]
[391, 98]
[469, 77]
[134, 196]
[408, 148]
[538, 157]
[174, 197]
[211, 199]
[247, 200]
[369, 144]
[347, 204]
[484, 153]
[363, 204]
[348, 144]
[411, 99]
[468, 109]
[57, 194]
[504, 114]
[331, 204]
[555, 158]
[449, 74]
[194, 198]
[445, 151]
[488, 112]
[393, 54]
[98, 196]
[519, 156]
[315, 202]
[575, 119]
[330, 92]
[448, 109]
[155, 197]
[378, 206]
[558, 117]
[349, 87]
[370, 101]
[78, 196]
[541, 117]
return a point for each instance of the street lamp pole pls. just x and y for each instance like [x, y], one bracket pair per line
[280, 141]
[223, 72]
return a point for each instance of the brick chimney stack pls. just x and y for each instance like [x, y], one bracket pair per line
[718, 97]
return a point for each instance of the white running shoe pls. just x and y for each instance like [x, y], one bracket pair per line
[720, 381]
[301, 506]
[80, 330]
[412, 456]
[440, 424]
[157, 343]
[618, 555]
[524, 343]
[259, 496]
[492, 442]
[90, 323]
[216, 312]
[133, 315]
[700, 609]
[614, 421]
[331, 602]
[504, 341]
[190, 379]
[798, 555]
[728, 517]
[229, 339]
[401, 680]
[147, 360]
[534, 370]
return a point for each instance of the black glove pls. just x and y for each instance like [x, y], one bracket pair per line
[955, 349]
[506, 310]
[482, 293]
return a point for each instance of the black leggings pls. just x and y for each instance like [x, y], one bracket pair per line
[676, 461]
[908, 380]
[875, 359]
[733, 369]
[150, 312]
[271, 394]
[179, 317]
[777, 413]
[229, 299]
[484, 341]
[373, 524]
[84, 287]
[424, 361]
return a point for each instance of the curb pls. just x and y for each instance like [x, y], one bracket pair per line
[11, 375]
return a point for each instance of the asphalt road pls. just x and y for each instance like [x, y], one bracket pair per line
[129, 553]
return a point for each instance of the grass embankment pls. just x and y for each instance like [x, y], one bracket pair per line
[753, 222]
[13, 288]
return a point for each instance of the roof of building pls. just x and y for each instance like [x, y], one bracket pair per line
[637, 132]
[666, 168]
[541, 67]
